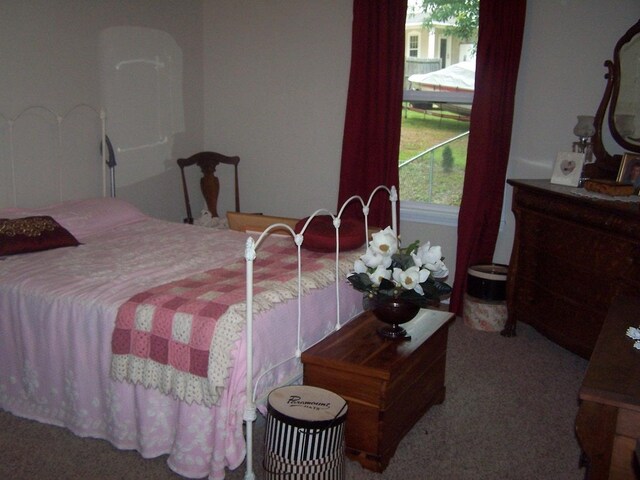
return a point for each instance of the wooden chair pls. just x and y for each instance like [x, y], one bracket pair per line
[209, 183]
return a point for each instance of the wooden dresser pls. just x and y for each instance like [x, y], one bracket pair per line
[388, 384]
[608, 421]
[572, 254]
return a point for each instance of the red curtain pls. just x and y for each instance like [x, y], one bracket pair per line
[498, 58]
[374, 105]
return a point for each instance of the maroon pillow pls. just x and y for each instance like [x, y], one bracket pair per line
[320, 235]
[32, 234]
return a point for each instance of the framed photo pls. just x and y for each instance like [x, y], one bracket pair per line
[568, 169]
[629, 171]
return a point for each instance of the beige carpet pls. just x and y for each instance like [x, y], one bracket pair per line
[509, 414]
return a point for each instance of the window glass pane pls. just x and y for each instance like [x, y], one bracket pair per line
[433, 153]
[439, 85]
[413, 46]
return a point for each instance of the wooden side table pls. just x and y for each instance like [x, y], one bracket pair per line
[388, 384]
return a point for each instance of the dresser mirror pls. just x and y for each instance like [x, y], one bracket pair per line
[620, 105]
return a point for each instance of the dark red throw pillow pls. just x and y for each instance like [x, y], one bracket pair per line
[320, 235]
[33, 234]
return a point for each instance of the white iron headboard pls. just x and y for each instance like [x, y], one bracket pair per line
[47, 157]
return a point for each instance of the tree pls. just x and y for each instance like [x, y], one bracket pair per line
[447, 159]
[463, 13]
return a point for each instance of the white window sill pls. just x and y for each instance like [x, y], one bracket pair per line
[429, 213]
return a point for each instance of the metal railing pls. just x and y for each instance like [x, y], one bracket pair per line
[431, 151]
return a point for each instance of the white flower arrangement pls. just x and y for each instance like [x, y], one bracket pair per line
[414, 273]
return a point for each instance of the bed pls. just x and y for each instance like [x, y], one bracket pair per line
[60, 310]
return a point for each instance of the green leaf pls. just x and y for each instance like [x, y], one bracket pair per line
[361, 282]
[435, 288]
[387, 288]
[464, 13]
[411, 248]
[402, 261]
[443, 288]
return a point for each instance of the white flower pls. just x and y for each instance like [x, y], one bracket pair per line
[439, 270]
[411, 278]
[380, 273]
[384, 242]
[430, 258]
[359, 266]
[634, 333]
[373, 259]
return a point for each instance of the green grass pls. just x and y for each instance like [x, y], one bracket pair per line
[420, 132]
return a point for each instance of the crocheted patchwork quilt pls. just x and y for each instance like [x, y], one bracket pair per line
[178, 337]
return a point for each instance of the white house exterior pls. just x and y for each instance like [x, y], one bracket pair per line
[421, 43]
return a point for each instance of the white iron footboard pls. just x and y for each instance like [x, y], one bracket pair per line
[250, 255]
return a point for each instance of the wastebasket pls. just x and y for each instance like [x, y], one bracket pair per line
[485, 306]
[304, 436]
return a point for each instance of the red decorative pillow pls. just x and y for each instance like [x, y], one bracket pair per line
[32, 234]
[320, 235]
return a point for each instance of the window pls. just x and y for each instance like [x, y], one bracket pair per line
[436, 111]
[414, 42]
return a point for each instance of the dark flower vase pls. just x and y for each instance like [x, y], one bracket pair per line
[393, 312]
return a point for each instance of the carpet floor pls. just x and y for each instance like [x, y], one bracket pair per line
[509, 413]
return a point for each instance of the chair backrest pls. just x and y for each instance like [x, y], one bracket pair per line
[209, 183]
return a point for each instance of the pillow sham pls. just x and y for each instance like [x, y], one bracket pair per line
[320, 235]
[83, 218]
[33, 234]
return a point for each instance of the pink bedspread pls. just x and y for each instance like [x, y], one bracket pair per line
[57, 314]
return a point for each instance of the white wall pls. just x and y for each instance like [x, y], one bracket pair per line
[50, 55]
[561, 76]
[276, 76]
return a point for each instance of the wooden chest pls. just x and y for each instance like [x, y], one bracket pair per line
[388, 384]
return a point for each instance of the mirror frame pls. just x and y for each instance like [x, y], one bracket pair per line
[617, 75]
[606, 165]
